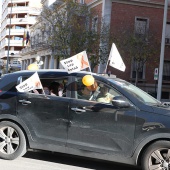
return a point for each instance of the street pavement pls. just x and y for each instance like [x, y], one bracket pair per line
[54, 161]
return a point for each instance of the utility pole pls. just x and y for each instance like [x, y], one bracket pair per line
[162, 51]
[9, 39]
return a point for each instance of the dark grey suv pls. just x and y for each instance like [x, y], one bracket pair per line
[131, 128]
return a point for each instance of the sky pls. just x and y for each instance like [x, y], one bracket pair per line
[49, 3]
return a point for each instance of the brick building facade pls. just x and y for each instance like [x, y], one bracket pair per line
[123, 15]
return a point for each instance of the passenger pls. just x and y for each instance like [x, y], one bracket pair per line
[35, 91]
[54, 89]
[84, 93]
[46, 90]
[104, 96]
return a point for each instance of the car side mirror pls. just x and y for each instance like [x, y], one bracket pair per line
[121, 102]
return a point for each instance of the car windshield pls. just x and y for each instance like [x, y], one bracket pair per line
[137, 92]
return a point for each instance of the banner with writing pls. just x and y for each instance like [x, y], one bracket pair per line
[29, 84]
[76, 63]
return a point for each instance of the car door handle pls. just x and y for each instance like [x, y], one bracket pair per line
[78, 110]
[24, 102]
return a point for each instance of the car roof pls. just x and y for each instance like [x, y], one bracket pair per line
[64, 71]
[22, 72]
[52, 70]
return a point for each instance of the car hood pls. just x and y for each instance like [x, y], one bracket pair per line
[161, 109]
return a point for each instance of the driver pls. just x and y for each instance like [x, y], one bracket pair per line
[84, 93]
[104, 96]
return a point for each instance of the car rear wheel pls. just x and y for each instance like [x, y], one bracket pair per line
[157, 156]
[12, 141]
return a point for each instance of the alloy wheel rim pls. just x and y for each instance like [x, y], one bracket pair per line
[9, 140]
[160, 159]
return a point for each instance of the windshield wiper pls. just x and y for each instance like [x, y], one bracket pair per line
[165, 104]
[161, 105]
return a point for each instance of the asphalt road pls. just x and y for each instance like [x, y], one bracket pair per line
[53, 161]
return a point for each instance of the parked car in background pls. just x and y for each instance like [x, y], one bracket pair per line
[113, 120]
[15, 65]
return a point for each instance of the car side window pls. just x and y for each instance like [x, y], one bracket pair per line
[51, 86]
[83, 92]
[100, 92]
[105, 94]
[55, 87]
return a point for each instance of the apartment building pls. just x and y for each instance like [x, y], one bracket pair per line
[144, 15]
[17, 17]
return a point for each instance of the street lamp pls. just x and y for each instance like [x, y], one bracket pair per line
[9, 39]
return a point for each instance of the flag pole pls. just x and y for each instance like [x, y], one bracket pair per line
[108, 59]
[106, 66]
[9, 39]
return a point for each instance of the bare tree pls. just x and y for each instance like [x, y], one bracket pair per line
[137, 49]
[67, 30]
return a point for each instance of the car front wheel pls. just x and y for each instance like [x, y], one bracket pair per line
[12, 141]
[157, 156]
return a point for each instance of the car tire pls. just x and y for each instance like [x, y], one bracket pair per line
[12, 141]
[157, 156]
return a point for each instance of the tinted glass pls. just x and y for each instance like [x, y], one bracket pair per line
[136, 92]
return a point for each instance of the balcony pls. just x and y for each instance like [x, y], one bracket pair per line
[9, 1]
[26, 50]
[18, 21]
[34, 48]
[21, 10]
[15, 32]
[14, 21]
[18, 10]
[4, 23]
[15, 1]
[5, 53]
[14, 43]
[24, 9]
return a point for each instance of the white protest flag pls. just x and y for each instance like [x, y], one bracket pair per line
[76, 63]
[115, 59]
[29, 84]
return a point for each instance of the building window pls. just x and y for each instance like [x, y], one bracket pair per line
[167, 34]
[19, 27]
[18, 38]
[166, 71]
[94, 24]
[165, 95]
[140, 67]
[141, 26]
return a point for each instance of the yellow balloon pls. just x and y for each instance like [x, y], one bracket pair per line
[32, 67]
[88, 80]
